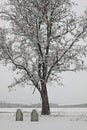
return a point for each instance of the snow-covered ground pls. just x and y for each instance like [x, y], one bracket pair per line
[60, 119]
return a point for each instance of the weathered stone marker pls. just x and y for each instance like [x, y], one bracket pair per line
[34, 115]
[19, 115]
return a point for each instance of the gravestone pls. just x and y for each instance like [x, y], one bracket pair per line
[19, 115]
[34, 115]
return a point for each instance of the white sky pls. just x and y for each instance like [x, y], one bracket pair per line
[74, 90]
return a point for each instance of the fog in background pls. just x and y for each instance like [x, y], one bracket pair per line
[73, 91]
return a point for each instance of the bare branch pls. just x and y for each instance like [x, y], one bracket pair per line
[53, 65]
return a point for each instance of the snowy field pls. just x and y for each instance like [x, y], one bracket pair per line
[60, 119]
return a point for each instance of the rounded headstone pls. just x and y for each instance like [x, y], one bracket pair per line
[19, 115]
[34, 115]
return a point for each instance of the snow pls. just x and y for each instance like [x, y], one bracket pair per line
[60, 118]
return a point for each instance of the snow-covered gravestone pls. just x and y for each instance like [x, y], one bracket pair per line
[34, 115]
[19, 115]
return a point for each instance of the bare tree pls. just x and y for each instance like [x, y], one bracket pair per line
[43, 41]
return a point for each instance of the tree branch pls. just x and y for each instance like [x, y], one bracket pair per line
[53, 65]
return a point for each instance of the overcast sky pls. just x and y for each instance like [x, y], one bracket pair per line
[74, 90]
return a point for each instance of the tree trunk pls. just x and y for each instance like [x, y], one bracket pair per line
[45, 101]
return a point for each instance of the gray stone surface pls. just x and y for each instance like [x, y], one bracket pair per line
[19, 115]
[34, 115]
